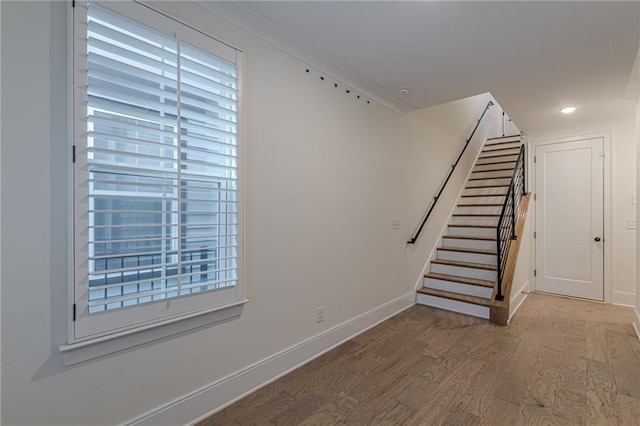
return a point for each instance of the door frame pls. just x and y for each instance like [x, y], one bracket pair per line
[606, 137]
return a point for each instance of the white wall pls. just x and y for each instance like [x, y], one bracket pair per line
[623, 186]
[326, 174]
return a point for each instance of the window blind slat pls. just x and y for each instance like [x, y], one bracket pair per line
[196, 55]
[113, 100]
[114, 66]
[126, 154]
[139, 254]
[143, 133]
[131, 58]
[115, 20]
[226, 106]
[134, 42]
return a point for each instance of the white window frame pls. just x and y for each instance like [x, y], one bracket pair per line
[146, 322]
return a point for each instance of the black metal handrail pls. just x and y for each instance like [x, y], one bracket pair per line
[444, 184]
[506, 229]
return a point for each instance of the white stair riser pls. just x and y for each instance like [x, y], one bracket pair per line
[478, 210]
[510, 158]
[463, 271]
[516, 138]
[461, 256]
[470, 220]
[471, 232]
[484, 182]
[460, 288]
[510, 151]
[492, 174]
[502, 190]
[453, 305]
[464, 243]
[498, 199]
[480, 167]
[489, 147]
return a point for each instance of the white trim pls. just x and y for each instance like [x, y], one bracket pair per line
[197, 310]
[636, 322]
[75, 353]
[517, 300]
[624, 299]
[607, 137]
[226, 391]
[70, 191]
[250, 22]
[0, 217]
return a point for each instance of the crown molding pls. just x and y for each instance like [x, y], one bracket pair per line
[254, 24]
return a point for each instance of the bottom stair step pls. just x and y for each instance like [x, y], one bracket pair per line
[464, 304]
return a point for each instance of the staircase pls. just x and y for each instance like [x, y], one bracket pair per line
[462, 276]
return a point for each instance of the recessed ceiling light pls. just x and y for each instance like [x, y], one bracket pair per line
[567, 109]
[404, 90]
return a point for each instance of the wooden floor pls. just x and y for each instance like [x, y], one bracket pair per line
[560, 362]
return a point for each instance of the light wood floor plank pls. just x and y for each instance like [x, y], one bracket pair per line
[559, 362]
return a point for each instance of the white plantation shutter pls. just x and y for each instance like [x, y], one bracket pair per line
[157, 206]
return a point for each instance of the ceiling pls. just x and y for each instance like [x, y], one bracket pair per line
[534, 57]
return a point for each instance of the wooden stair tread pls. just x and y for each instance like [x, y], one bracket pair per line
[481, 205]
[490, 177]
[469, 237]
[477, 214]
[486, 186]
[499, 149]
[504, 137]
[497, 162]
[465, 264]
[472, 226]
[481, 195]
[489, 145]
[481, 301]
[468, 250]
[461, 280]
[493, 170]
[496, 156]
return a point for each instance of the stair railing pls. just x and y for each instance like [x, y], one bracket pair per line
[444, 184]
[506, 229]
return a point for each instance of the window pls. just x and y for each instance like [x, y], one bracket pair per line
[157, 214]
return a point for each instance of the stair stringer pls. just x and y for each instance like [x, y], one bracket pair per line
[501, 312]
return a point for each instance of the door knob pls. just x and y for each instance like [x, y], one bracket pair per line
[597, 239]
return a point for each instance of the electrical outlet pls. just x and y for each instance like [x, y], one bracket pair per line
[395, 223]
[632, 224]
[320, 314]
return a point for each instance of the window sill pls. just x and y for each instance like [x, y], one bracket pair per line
[76, 353]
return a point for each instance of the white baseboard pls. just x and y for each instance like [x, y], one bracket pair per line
[636, 323]
[624, 299]
[518, 299]
[200, 404]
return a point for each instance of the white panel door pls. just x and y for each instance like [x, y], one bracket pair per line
[570, 218]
